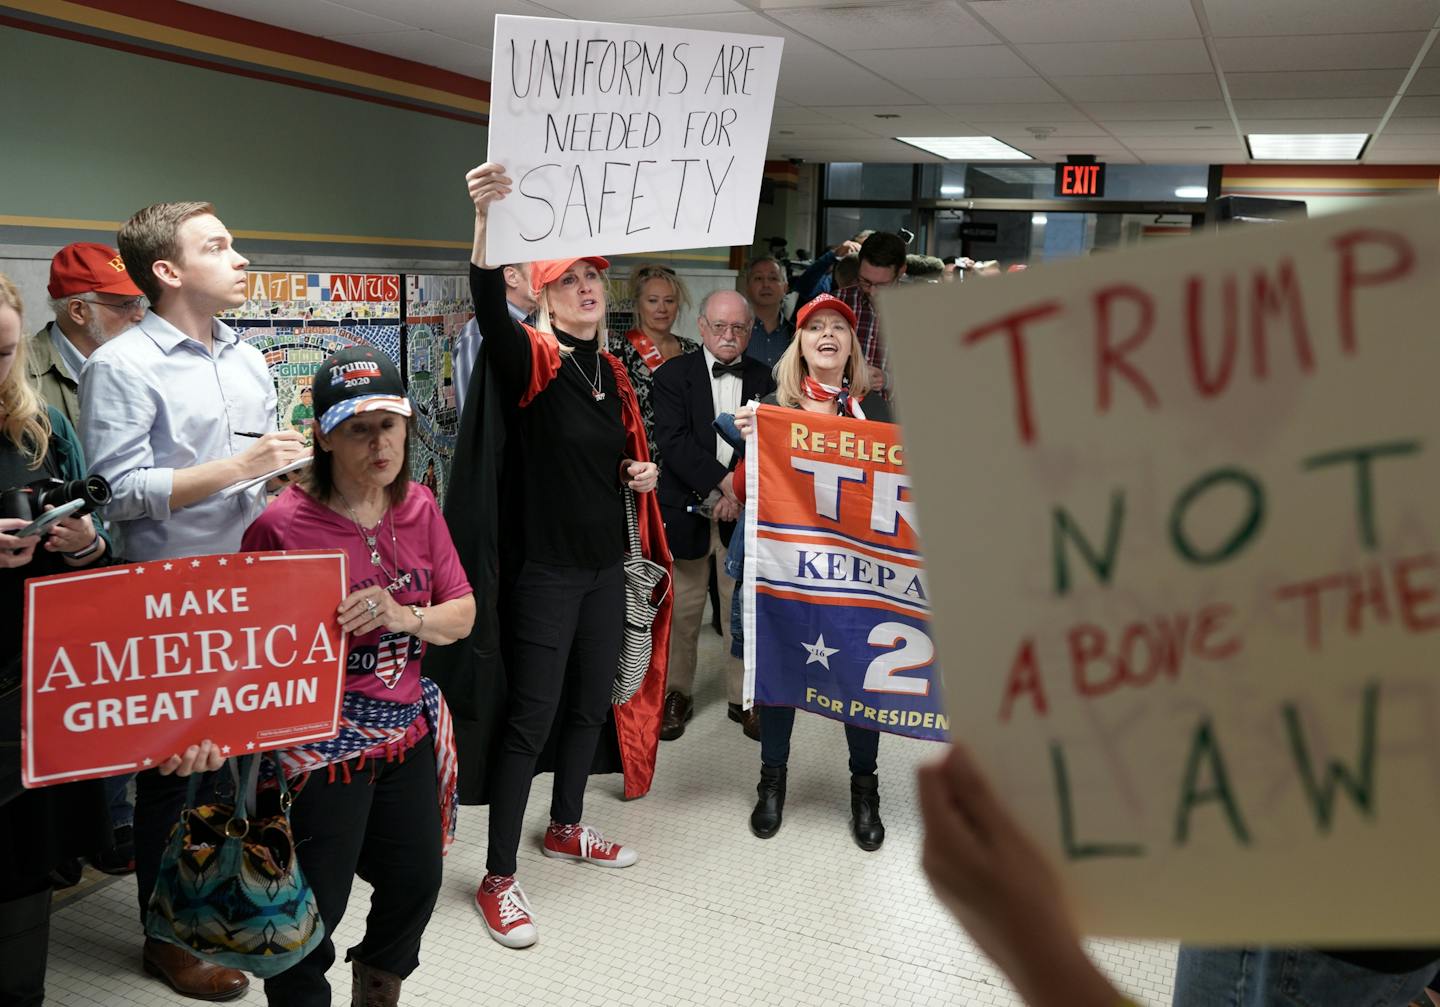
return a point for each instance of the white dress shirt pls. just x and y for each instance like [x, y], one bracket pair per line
[153, 400]
[725, 394]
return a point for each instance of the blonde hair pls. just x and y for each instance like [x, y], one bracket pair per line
[643, 274]
[544, 324]
[791, 370]
[23, 417]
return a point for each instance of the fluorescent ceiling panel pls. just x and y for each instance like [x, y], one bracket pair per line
[967, 148]
[1306, 146]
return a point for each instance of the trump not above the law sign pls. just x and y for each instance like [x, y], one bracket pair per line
[626, 138]
[1181, 535]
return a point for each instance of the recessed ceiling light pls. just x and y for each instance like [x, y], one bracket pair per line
[967, 148]
[1192, 192]
[952, 190]
[1039, 219]
[1307, 146]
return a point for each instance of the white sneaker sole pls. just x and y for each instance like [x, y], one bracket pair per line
[556, 855]
[520, 937]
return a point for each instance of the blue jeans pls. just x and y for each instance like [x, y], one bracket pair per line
[117, 799]
[1287, 977]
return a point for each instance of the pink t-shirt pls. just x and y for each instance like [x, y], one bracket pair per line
[382, 664]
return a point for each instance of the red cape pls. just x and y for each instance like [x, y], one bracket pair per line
[472, 672]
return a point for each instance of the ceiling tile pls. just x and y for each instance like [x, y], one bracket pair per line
[839, 84]
[1405, 141]
[947, 62]
[1425, 82]
[796, 113]
[1038, 113]
[934, 23]
[1316, 84]
[742, 21]
[318, 17]
[1327, 125]
[1026, 21]
[1164, 111]
[828, 130]
[1308, 108]
[1198, 142]
[1398, 126]
[1164, 56]
[1152, 87]
[1059, 131]
[1319, 52]
[1318, 17]
[468, 21]
[1418, 106]
[998, 91]
[1208, 127]
[630, 10]
[429, 48]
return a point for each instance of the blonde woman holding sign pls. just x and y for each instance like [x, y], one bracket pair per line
[556, 417]
[817, 373]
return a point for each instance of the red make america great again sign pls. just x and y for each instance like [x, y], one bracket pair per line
[129, 665]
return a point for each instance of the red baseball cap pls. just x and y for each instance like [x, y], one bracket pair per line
[544, 272]
[825, 302]
[86, 266]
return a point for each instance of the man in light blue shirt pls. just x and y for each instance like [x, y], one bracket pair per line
[172, 412]
[519, 300]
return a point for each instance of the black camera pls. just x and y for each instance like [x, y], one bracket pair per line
[28, 502]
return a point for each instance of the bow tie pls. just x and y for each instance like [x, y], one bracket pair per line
[736, 368]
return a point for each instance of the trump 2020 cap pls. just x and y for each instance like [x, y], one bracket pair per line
[357, 380]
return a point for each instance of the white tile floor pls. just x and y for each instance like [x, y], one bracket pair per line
[709, 916]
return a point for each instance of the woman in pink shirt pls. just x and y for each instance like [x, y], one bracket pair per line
[379, 799]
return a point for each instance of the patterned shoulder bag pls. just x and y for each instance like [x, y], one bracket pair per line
[230, 890]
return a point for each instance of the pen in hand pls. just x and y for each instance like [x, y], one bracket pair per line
[247, 433]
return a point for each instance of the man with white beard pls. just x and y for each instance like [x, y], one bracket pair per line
[94, 300]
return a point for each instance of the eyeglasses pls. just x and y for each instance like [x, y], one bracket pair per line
[869, 285]
[735, 328]
[127, 306]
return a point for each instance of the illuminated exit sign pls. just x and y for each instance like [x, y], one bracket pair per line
[1080, 180]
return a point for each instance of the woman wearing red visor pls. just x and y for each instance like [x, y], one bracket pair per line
[550, 434]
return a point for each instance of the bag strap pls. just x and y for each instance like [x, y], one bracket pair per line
[632, 526]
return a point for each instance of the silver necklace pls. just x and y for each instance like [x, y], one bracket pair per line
[396, 580]
[595, 391]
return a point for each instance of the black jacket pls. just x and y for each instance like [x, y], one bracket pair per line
[684, 414]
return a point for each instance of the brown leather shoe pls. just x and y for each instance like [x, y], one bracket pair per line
[679, 708]
[189, 976]
[372, 987]
[750, 723]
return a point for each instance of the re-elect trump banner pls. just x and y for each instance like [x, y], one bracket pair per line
[128, 665]
[836, 608]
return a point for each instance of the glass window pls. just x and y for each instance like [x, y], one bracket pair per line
[943, 181]
[843, 222]
[869, 181]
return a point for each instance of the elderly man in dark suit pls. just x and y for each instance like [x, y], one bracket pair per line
[697, 494]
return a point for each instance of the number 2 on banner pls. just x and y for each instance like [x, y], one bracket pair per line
[917, 651]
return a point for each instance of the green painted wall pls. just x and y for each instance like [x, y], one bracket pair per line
[95, 133]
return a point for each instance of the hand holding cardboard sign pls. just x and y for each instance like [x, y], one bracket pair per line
[990, 874]
[202, 758]
[486, 184]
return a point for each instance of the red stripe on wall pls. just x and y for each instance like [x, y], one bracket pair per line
[231, 28]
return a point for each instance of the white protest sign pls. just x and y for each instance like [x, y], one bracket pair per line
[626, 138]
[1180, 512]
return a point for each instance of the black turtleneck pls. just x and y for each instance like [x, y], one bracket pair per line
[571, 444]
